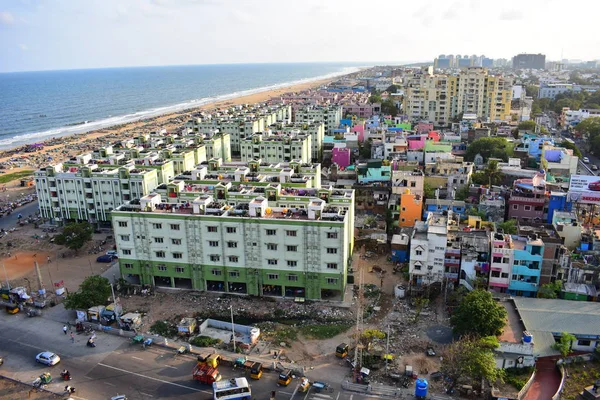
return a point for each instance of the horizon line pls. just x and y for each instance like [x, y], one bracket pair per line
[366, 64]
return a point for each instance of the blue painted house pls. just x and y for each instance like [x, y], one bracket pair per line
[528, 254]
[437, 206]
[558, 202]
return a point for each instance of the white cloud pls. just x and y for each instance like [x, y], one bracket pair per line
[6, 18]
[23, 47]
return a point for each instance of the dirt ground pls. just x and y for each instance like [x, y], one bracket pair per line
[10, 390]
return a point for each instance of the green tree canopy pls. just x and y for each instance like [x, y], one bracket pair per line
[550, 290]
[392, 89]
[75, 235]
[478, 314]
[428, 190]
[471, 358]
[388, 107]
[564, 344]
[527, 125]
[532, 91]
[509, 226]
[569, 145]
[489, 147]
[94, 291]
[589, 126]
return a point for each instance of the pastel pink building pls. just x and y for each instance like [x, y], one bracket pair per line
[424, 127]
[341, 156]
[359, 129]
[417, 142]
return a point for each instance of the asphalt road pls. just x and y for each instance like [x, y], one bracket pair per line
[9, 221]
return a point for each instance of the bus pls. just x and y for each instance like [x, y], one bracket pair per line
[235, 388]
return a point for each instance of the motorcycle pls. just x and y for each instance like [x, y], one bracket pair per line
[65, 375]
[90, 343]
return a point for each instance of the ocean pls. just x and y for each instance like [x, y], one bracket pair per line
[35, 106]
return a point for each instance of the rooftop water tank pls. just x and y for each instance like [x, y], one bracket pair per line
[421, 387]
[527, 337]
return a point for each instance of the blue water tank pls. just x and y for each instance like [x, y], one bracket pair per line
[527, 337]
[421, 387]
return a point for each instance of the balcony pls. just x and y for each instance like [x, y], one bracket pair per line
[524, 199]
[523, 286]
[451, 261]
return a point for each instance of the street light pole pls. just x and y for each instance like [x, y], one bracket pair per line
[6, 276]
[232, 327]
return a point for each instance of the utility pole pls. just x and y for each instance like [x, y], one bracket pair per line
[232, 327]
[40, 281]
[387, 349]
[6, 277]
[112, 289]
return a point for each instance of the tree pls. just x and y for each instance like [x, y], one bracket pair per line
[428, 190]
[392, 89]
[471, 358]
[532, 91]
[569, 145]
[589, 126]
[375, 97]
[94, 291]
[527, 125]
[388, 107]
[478, 314]
[493, 173]
[550, 290]
[75, 235]
[489, 147]
[509, 227]
[564, 344]
[462, 193]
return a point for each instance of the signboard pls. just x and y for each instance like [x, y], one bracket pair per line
[584, 189]
[584, 183]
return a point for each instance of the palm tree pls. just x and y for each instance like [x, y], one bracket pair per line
[493, 172]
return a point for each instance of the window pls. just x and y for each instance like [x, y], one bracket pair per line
[527, 208]
[126, 252]
[216, 272]
[293, 278]
[332, 235]
[271, 232]
[273, 276]
[234, 274]
[211, 228]
[291, 263]
[215, 257]
[158, 240]
[331, 250]
[271, 246]
[272, 261]
[174, 227]
[128, 266]
[515, 277]
[583, 342]
[177, 255]
[123, 224]
[231, 229]
[292, 248]
[418, 267]
[495, 274]
[180, 270]
[332, 265]
[156, 226]
[233, 259]
[161, 267]
[515, 206]
[291, 233]
[505, 275]
[419, 252]
[332, 281]
[213, 243]
[160, 254]
[232, 245]
[176, 241]
[505, 260]
[125, 238]
[497, 259]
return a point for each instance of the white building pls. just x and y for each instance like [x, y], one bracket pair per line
[276, 148]
[330, 116]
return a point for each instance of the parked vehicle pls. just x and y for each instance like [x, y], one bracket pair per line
[47, 358]
[304, 385]
[212, 359]
[206, 374]
[43, 379]
[342, 350]
[594, 167]
[586, 160]
[112, 253]
[256, 370]
[104, 258]
[285, 377]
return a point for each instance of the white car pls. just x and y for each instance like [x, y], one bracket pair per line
[586, 160]
[112, 253]
[47, 358]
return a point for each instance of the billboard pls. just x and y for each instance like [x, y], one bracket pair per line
[584, 189]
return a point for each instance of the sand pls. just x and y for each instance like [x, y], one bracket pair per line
[60, 149]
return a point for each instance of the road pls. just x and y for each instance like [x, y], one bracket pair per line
[9, 221]
[117, 367]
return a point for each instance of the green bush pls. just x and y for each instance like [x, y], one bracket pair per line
[323, 331]
[164, 329]
[517, 377]
[205, 341]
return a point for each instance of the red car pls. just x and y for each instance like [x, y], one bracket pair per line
[595, 186]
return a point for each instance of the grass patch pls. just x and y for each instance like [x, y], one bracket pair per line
[205, 341]
[164, 329]
[580, 375]
[323, 331]
[15, 175]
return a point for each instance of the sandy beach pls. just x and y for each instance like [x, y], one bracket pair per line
[56, 150]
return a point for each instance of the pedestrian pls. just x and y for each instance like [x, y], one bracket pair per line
[72, 338]
[65, 329]
[48, 259]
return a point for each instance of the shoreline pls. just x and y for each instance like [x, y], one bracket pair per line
[57, 149]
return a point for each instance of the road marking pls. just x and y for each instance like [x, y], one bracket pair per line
[155, 379]
[109, 384]
[146, 394]
[322, 396]
[338, 396]
[170, 366]
[137, 358]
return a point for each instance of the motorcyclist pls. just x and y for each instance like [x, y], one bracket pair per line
[66, 375]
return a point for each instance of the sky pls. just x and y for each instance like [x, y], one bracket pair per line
[73, 34]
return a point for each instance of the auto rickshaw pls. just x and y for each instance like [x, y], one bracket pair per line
[304, 385]
[12, 308]
[137, 339]
[44, 379]
[256, 370]
[342, 350]
[285, 377]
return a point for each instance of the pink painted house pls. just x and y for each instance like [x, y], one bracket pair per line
[341, 156]
[424, 127]
[359, 129]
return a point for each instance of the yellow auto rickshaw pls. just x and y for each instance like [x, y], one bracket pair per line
[12, 308]
[285, 377]
[256, 370]
[304, 385]
[342, 350]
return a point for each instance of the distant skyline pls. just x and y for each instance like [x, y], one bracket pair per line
[70, 34]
